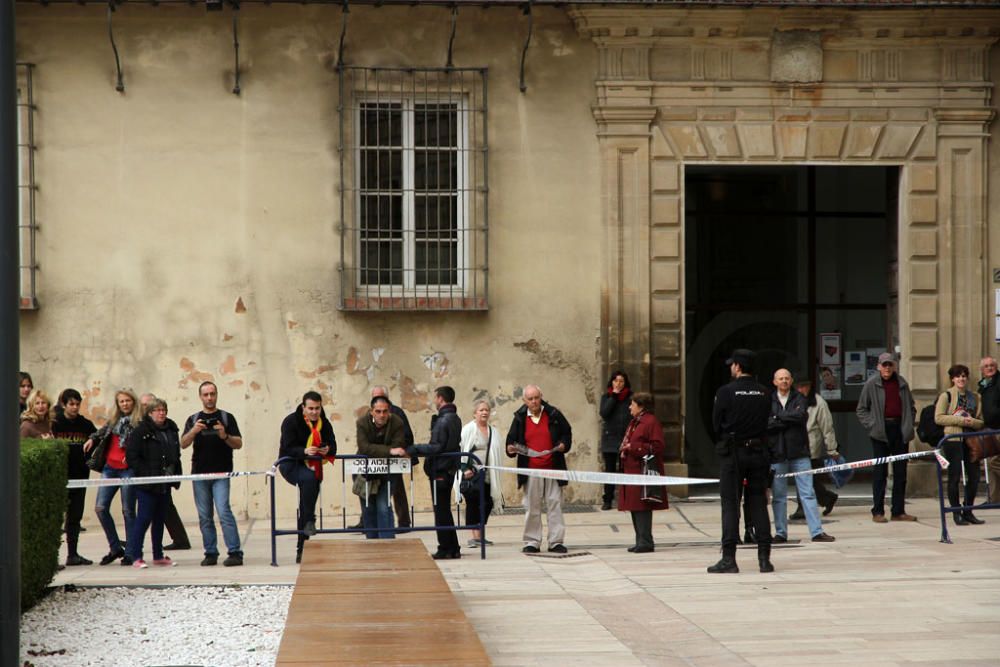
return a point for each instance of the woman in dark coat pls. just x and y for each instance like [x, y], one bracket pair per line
[153, 450]
[614, 412]
[644, 437]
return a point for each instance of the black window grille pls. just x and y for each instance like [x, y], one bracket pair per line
[26, 224]
[413, 189]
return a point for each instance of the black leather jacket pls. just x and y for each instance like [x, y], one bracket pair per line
[789, 438]
[152, 451]
[446, 436]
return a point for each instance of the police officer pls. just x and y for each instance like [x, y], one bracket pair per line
[740, 417]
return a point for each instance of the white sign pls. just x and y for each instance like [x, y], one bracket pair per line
[377, 466]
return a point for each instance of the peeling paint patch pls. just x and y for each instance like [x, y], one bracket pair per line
[98, 413]
[555, 358]
[353, 359]
[236, 383]
[436, 362]
[240, 306]
[226, 338]
[193, 374]
[498, 397]
[413, 398]
[292, 324]
[254, 385]
[228, 366]
[326, 368]
[377, 353]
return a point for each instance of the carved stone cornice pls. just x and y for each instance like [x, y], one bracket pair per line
[624, 120]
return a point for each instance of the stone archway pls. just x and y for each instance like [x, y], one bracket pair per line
[765, 86]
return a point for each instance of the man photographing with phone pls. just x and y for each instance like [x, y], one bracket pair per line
[214, 434]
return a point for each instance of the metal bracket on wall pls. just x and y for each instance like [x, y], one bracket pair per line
[343, 33]
[527, 41]
[451, 39]
[120, 85]
[236, 45]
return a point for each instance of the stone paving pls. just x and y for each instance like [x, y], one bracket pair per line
[887, 594]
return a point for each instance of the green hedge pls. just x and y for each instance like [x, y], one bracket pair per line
[43, 506]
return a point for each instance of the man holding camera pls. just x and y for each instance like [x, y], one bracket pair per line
[214, 434]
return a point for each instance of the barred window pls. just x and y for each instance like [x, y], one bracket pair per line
[26, 225]
[413, 189]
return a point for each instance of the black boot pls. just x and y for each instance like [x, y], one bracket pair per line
[972, 518]
[749, 537]
[725, 566]
[764, 559]
[960, 519]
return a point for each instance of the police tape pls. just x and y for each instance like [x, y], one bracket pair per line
[869, 463]
[591, 477]
[164, 479]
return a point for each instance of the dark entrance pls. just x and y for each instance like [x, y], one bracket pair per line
[774, 258]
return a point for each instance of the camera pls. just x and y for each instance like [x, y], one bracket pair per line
[210, 422]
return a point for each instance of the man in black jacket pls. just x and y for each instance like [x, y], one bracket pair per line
[540, 436]
[306, 433]
[739, 417]
[789, 442]
[72, 426]
[989, 391]
[446, 436]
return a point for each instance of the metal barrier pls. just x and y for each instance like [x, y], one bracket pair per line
[276, 532]
[941, 492]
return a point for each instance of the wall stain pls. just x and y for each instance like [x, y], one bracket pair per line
[555, 358]
[240, 306]
[325, 368]
[228, 366]
[436, 362]
[193, 374]
[226, 338]
[413, 397]
[292, 324]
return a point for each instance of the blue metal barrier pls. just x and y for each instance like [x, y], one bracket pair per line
[276, 532]
[940, 478]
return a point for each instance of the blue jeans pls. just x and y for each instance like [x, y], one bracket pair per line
[804, 484]
[217, 490]
[150, 516]
[105, 495]
[378, 513]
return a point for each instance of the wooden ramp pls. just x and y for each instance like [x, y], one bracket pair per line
[375, 602]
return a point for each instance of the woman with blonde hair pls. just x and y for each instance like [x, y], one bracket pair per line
[36, 420]
[108, 445]
[481, 439]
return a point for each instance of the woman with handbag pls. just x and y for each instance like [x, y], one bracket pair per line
[641, 452]
[960, 410]
[615, 415]
[108, 458]
[481, 439]
[153, 450]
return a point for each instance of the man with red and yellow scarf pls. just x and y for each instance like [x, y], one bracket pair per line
[306, 433]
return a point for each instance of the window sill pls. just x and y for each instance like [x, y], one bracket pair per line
[414, 303]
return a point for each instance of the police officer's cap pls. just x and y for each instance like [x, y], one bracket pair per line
[743, 357]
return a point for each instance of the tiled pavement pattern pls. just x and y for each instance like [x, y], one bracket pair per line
[880, 595]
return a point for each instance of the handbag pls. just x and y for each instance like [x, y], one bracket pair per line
[469, 488]
[839, 477]
[98, 455]
[361, 484]
[982, 447]
[651, 494]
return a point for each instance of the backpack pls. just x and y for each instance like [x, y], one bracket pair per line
[930, 433]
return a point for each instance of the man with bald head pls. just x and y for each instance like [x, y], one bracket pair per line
[539, 436]
[989, 391]
[789, 443]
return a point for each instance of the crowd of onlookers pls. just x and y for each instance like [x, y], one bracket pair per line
[140, 440]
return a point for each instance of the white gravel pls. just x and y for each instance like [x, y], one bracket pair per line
[183, 625]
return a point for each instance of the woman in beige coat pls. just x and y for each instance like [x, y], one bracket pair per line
[960, 410]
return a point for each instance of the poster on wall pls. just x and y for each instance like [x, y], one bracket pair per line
[829, 349]
[871, 360]
[854, 367]
[829, 382]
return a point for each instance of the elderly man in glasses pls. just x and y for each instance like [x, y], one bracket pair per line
[989, 390]
[887, 412]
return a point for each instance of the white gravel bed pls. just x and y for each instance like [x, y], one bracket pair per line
[182, 625]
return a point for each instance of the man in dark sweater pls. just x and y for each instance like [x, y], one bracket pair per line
[399, 500]
[886, 410]
[72, 426]
[989, 391]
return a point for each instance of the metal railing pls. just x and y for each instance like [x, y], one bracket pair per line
[945, 510]
[277, 532]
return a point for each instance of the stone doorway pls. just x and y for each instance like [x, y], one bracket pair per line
[775, 256]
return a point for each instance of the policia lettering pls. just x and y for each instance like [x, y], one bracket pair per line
[740, 416]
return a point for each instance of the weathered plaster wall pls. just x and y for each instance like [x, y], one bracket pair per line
[186, 233]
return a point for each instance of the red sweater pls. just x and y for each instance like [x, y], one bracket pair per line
[537, 438]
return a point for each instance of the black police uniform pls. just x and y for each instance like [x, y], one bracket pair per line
[740, 417]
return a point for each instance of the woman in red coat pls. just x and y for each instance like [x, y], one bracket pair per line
[644, 437]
